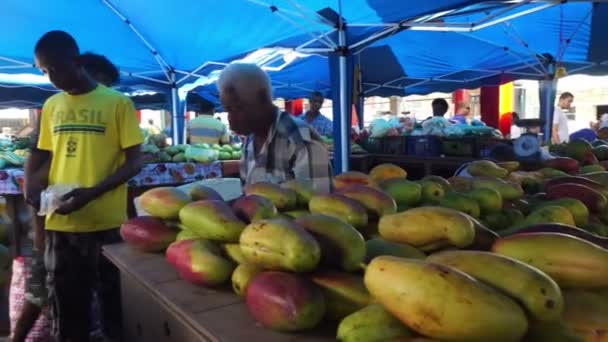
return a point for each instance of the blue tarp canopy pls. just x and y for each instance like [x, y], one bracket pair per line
[449, 56]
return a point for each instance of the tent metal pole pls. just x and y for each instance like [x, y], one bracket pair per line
[193, 72]
[15, 67]
[160, 60]
[174, 109]
[502, 11]
[319, 37]
[513, 16]
[344, 108]
[145, 78]
[11, 60]
[314, 40]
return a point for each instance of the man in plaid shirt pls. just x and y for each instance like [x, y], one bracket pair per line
[279, 147]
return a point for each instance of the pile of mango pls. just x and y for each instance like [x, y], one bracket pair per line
[503, 255]
[200, 153]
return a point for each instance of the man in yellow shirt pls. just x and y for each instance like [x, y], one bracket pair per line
[91, 133]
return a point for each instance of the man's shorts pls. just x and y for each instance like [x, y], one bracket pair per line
[35, 282]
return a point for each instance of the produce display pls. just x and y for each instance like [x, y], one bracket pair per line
[156, 150]
[503, 255]
[14, 153]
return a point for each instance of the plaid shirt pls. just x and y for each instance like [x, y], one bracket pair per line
[292, 151]
[321, 124]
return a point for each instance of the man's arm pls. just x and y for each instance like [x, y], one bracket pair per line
[555, 134]
[78, 198]
[312, 164]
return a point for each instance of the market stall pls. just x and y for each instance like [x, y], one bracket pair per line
[413, 236]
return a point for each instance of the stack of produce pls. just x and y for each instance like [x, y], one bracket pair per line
[466, 259]
[13, 154]
[156, 150]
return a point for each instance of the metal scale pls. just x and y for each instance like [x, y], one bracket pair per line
[528, 145]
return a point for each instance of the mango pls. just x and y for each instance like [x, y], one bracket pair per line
[507, 190]
[592, 198]
[285, 302]
[564, 164]
[578, 149]
[592, 168]
[186, 234]
[304, 191]
[551, 173]
[445, 184]
[586, 313]
[340, 206]
[164, 202]
[426, 225]
[344, 293]
[460, 183]
[253, 208]
[510, 166]
[600, 177]
[441, 302]
[279, 244]
[242, 275]
[377, 247]
[377, 202]
[486, 168]
[282, 198]
[579, 211]
[203, 193]
[213, 220]
[386, 171]
[341, 244]
[403, 191]
[572, 262]
[489, 200]
[147, 234]
[498, 221]
[234, 253]
[199, 262]
[372, 324]
[432, 192]
[539, 294]
[349, 178]
[549, 214]
[461, 202]
[294, 214]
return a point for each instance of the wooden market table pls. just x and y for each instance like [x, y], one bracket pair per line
[160, 307]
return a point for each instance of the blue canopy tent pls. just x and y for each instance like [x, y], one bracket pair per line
[170, 44]
[465, 51]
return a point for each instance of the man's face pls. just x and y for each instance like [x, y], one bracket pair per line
[63, 73]
[238, 112]
[566, 103]
[316, 102]
[466, 110]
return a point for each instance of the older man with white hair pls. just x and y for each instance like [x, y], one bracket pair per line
[278, 147]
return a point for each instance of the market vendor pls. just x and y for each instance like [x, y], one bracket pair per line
[315, 119]
[278, 147]
[205, 129]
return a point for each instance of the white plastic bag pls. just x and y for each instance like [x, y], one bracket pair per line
[50, 199]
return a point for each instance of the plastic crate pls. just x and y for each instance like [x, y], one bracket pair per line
[458, 147]
[424, 146]
[372, 145]
[483, 145]
[394, 145]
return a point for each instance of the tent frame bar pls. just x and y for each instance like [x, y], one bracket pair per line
[159, 59]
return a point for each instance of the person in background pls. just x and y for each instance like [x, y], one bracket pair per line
[278, 146]
[589, 134]
[152, 128]
[205, 129]
[560, 132]
[99, 153]
[314, 118]
[440, 107]
[106, 73]
[515, 130]
[462, 113]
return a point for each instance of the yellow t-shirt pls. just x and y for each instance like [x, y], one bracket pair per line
[87, 135]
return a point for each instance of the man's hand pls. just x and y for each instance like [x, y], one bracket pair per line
[76, 200]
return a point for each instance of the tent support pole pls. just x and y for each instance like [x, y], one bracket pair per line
[177, 119]
[547, 94]
[344, 138]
